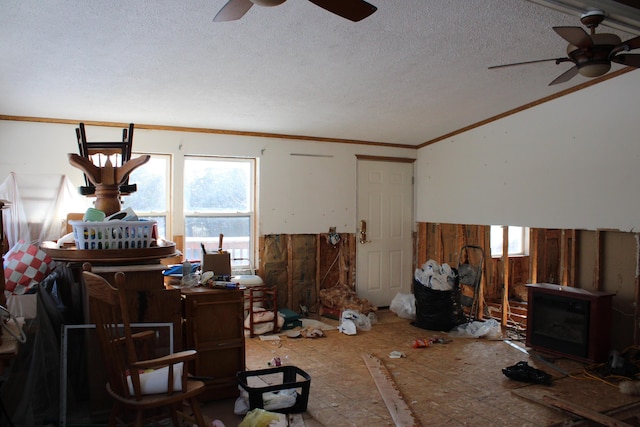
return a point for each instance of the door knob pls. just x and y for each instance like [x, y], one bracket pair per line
[363, 232]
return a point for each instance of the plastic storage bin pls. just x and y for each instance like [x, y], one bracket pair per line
[276, 379]
[113, 234]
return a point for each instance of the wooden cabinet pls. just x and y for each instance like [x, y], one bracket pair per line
[213, 325]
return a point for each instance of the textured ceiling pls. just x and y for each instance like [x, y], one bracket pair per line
[412, 72]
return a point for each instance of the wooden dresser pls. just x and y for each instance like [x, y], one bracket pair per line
[213, 325]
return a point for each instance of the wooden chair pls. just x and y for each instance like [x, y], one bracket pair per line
[108, 309]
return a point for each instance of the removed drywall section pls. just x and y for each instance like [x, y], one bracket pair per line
[274, 263]
[600, 260]
[299, 265]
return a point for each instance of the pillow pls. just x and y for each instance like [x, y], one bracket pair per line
[25, 265]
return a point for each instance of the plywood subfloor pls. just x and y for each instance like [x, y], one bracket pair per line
[454, 384]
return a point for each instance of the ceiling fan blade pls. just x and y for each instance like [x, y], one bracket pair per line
[628, 60]
[558, 60]
[633, 43]
[354, 10]
[566, 76]
[233, 10]
[576, 36]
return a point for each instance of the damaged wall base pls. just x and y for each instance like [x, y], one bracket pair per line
[300, 265]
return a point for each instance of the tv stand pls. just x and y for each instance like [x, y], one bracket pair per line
[569, 322]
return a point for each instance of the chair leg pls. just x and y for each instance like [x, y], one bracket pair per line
[174, 414]
[116, 410]
[197, 412]
[139, 418]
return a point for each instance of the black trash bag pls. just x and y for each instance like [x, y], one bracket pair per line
[521, 371]
[438, 310]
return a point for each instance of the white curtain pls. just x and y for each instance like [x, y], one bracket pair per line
[38, 206]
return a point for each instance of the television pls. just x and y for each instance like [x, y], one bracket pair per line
[569, 322]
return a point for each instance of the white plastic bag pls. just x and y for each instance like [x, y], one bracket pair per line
[361, 321]
[279, 399]
[404, 305]
[347, 327]
[489, 329]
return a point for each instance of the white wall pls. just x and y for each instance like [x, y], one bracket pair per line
[297, 194]
[570, 163]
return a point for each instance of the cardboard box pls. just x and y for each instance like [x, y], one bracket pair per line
[219, 263]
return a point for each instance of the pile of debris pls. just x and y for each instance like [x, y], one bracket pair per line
[341, 297]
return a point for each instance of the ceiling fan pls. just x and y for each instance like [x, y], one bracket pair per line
[354, 10]
[591, 54]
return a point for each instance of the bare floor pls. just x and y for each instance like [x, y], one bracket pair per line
[457, 383]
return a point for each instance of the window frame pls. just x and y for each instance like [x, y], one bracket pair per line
[236, 263]
[523, 247]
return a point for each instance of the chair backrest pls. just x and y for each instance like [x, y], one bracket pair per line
[108, 310]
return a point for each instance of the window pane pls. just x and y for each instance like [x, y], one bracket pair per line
[517, 240]
[213, 185]
[516, 243]
[496, 240]
[151, 179]
[206, 230]
[218, 199]
[161, 223]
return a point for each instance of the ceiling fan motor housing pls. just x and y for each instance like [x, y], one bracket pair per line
[594, 61]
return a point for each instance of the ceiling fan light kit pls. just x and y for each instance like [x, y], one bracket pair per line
[591, 54]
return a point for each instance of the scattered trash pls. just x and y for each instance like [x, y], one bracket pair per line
[278, 361]
[241, 406]
[304, 310]
[293, 334]
[259, 418]
[435, 276]
[373, 319]
[396, 355]
[422, 343]
[359, 320]
[279, 399]
[347, 327]
[311, 332]
[343, 297]
[489, 329]
[404, 305]
[521, 371]
[269, 338]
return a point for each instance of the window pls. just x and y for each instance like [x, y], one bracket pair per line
[151, 200]
[219, 200]
[518, 240]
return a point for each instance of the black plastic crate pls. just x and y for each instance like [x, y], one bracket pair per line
[277, 379]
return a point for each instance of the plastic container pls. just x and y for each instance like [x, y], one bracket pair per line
[108, 235]
[276, 379]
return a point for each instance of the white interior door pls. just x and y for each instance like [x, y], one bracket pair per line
[385, 221]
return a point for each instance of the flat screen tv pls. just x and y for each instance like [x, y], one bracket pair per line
[569, 322]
